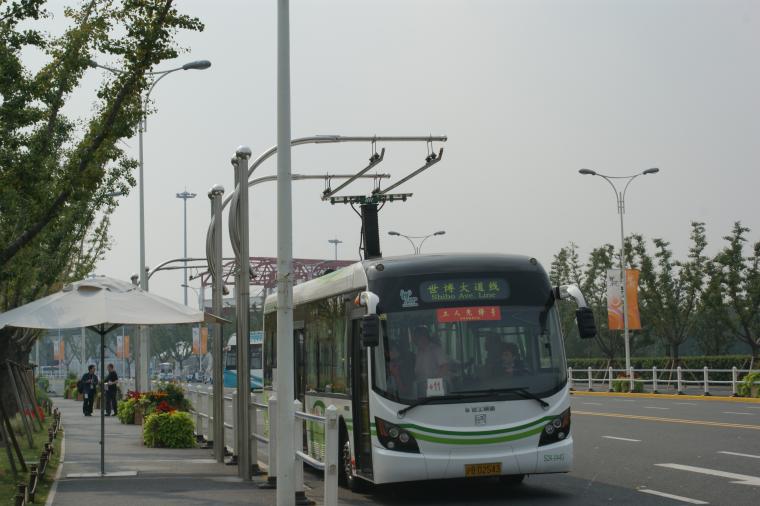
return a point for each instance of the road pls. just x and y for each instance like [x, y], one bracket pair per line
[636, 451]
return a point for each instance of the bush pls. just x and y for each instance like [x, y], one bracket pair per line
[126, 411]
[623, 384]
[173, 429]
[745, 387]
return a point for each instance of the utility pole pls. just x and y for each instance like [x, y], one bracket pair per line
[184, 196]
[335, 242]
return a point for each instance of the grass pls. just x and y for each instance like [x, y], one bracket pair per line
[8, 483]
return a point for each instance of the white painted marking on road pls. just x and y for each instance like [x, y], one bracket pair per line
[687, 403]
[655, 407]
[623, 439]
[672, 496]
[593, 403]
[736, 413]
[625, 400]
[739, 479]
[741, 455]
[98, 475]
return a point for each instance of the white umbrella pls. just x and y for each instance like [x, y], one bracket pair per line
[101, 304]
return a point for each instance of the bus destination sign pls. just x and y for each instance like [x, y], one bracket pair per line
[464, 290]
[465, 314]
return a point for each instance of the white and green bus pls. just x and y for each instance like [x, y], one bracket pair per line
[441, 366]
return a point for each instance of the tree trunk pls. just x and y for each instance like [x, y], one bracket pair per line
[674, 348]
[9, 350]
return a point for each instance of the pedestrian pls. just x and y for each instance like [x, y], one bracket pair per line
[112, 380]
[89, 386]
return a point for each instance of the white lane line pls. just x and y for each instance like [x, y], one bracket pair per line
[623, 439]
[655, 407]
[54, 487]
[624, 400]
[736, 413]
[672, 496]
[593, 403]
[740, 479]
[687, 403]
[741, 455]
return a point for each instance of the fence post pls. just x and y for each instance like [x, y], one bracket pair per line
[590, 380]
[631, 381]
[570, 378]
[235, 450]
[706, 373]
[209, 409]
[654, 379]
[679, 379]
[196, 400]
[298, 445]
[331, 456]
[734, 379]
[254, 444]
[272, 450]
[609, 380]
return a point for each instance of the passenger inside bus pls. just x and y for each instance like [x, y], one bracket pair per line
[430, 361]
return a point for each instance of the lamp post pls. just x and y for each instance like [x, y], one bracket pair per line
[620, 196]
[143, 346]
[184, 196]
[335, 242]
[417, 247]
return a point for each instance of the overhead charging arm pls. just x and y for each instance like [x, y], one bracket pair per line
[374, 160]
[431, 160]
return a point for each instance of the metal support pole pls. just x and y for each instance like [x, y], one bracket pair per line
[235, 427]
[706, 377]
[734, 378]
[624, 283]
[590, 380]
[141, 350]
[632, 383]
[273, 444]
[217, 337]
[679, 385]
[331, 456]
[242, 422]
[285, 388]
[654, 379]
[609, 380]
[254, 417]
[300, 497]
[83, 352]
[102, 402]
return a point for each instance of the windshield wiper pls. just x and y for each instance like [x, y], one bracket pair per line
[521, 391]
[450, 397]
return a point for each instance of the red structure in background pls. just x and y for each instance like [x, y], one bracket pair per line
[265, 270]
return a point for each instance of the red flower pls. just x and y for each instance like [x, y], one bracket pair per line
[164, 407]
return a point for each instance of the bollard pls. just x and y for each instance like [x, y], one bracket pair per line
[590, 380]
[301, 499]
[235, 450]
[734, 378]
[570, 377]
[254, 446]
[654, 379]
[23, 492]
[33, 481]
[331, 456]
[609, 379]
[706, 373]
[631, 381]
[272, 449]
[679, 380]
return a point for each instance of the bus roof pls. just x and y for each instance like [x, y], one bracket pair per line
[255, 337]
[355, 276]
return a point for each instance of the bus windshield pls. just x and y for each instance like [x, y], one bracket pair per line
[434, 348]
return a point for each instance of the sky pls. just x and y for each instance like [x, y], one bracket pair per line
[528, 92]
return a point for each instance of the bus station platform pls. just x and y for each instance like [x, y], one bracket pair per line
[137, 475]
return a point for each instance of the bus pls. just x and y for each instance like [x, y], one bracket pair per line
[165, 372]
[414, 352]
[254, 353]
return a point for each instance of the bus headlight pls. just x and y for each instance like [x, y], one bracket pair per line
[556, 430]
[395, 438]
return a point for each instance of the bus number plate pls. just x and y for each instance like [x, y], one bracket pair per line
[489, 469]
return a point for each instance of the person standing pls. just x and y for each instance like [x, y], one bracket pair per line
[89, 387]
[111, 381]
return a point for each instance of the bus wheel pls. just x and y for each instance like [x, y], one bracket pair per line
[347, 478]
[512, 480]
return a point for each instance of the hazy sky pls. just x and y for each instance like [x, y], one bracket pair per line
[528, 93]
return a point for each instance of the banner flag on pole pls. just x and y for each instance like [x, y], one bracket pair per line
[119, 347]
[196, 340]
[125, 349]
[204, 340]
[58, 350]
[615, 300]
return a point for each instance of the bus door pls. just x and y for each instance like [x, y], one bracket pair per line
[299, 370]
[362, 443]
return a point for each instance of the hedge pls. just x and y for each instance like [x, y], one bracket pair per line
[174, 429]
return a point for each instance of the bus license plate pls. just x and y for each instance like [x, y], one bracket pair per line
[488, 469]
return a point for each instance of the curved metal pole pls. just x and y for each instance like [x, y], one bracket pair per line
[419, 248]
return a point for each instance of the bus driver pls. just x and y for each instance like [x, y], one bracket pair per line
[431, 361]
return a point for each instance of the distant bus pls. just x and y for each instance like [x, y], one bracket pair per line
[165, 372]
[256, 341]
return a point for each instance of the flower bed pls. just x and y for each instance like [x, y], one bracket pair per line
[138, 405]
[168, 429]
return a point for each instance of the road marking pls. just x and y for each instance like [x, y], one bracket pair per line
[593, 403]
[741, 455]
[623, 439]
[736, 413]
[687, 403]
[655, 407]
[670, 420]
[739, 479]
[672, 496]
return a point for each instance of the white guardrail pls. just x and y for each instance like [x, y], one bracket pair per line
[654, 380]
[201, 398]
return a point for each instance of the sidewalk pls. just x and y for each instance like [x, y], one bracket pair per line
[150, 476]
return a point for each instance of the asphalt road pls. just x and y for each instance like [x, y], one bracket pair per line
[627, 451]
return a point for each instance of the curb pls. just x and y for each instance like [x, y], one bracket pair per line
[58, 472]
[749, 400]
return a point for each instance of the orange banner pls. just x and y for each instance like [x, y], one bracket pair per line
[200, 340]
[58, 350]
[204, 340]
[615, 300]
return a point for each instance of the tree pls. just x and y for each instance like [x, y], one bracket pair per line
[56, 171]
[671, 290]
[713, 335]
[172, 343]
[739, 279]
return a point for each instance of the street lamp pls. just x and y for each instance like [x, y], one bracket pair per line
[184, 196]
[620, 196]
[335, 241]
[142, 381]
[417, 248]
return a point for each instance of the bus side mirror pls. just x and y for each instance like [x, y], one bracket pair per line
[370, 330]
[586, 325]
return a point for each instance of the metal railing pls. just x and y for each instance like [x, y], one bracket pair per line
[264, 434]
[25, 493]
[654, 380]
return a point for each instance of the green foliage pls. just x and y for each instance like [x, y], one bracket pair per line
[126, 411]
[175, 396]
[43, 383]
[751, 383]
[169, 430]
[624, 385]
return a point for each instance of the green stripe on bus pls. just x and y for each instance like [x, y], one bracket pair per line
[483, 441]
[474, 433]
